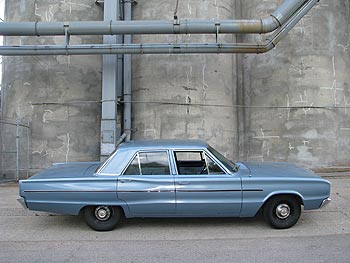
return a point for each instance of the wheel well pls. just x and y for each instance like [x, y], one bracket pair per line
[295, 196]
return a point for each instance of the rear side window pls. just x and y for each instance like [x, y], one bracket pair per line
[149, 163]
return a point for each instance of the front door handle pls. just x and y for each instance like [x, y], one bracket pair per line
[184, 183]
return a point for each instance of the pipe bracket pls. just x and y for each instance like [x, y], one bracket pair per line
[66, 33]
[176, 26]
[110, 27]
[36, 28]
[217, 25]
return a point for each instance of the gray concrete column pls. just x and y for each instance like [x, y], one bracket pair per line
[59, 95]
[111, 74]
[307, 69]
[204, 85]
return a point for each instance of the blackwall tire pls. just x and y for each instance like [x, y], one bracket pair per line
[282, 212]
[102, 218]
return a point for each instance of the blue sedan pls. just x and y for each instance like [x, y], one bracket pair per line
[174, 178]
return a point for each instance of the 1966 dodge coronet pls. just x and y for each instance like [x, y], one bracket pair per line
[172, 178]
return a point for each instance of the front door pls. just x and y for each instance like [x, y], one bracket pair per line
[203, 188]
[147, 186]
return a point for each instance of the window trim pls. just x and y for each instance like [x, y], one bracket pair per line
[137, 154]
[99, 170]
[206, 152]
[211, 159]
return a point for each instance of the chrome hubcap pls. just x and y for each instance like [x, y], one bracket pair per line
[283, 211]
[102, 213]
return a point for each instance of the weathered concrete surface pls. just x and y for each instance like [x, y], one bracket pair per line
[310, 68]
[185, 79]
[58, 95]
[319, 236]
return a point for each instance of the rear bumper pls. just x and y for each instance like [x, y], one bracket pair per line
[22, 202]
[325, 202]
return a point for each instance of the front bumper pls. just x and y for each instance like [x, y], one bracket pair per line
[22, 202]
[325, 202]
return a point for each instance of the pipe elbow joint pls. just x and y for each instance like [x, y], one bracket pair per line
[269, 46]
[269, 24]
[266, 47]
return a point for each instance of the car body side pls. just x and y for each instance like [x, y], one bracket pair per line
[70, 194]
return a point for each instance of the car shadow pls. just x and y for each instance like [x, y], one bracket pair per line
[78, 222]
[192, 222]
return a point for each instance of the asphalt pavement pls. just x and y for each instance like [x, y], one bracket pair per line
[320, 236]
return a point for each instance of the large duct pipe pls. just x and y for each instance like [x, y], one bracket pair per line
[161, 48]
[259, 26]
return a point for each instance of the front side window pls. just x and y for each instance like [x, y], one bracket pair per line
[228, 164]
[149, 163]
[195, 163]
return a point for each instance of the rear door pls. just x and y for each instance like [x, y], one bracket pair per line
[203, 188]
[147, 185]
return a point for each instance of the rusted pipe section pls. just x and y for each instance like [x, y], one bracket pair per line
[258, 26]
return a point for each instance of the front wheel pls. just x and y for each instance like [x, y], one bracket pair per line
[282, 212]
[102, 218]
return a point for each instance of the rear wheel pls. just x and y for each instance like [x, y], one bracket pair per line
[282, 212]
[102, 218]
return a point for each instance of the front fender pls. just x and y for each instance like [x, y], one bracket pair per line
[254, 201]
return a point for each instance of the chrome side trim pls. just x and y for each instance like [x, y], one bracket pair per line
[139, 191]
[70, 191]
[325, 202]
[22, 202]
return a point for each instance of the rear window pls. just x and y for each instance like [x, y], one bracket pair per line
[149, 163]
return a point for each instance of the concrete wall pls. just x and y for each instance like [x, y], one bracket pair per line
[277, 92]
[185, 79]
[58, 95]
[310, 68]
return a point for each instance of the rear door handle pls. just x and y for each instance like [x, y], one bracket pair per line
[123, 181]
[184, 183]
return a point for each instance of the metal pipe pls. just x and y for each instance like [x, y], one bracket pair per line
[111, 75]
[17, 150]
[127, 76]
[160, 48]
[257, 26]
[121, 139]
[28, 150]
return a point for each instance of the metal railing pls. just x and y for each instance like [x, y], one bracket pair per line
[14, 150]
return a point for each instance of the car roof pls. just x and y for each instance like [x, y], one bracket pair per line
[164, 144]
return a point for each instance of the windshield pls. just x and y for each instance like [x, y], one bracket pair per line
[233, 168]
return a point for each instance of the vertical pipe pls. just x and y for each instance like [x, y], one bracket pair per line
[109, 127]
[17, 150]
[120, 57]
[127, 76]
[240, 94]
[1, 148]
[28, 149]
[2, 103]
